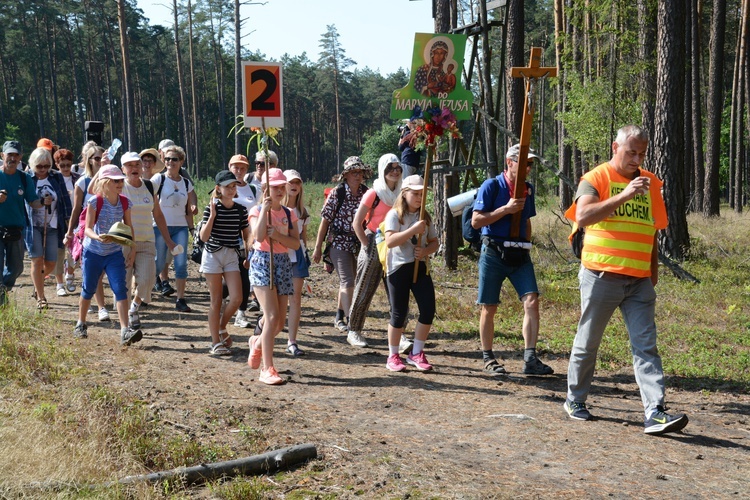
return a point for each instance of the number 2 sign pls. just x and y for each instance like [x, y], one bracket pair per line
[262, 97]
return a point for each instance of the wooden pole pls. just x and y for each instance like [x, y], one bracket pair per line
[531, 73]
[264, 141]
[422, 209]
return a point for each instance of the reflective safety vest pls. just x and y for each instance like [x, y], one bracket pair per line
[624, 241]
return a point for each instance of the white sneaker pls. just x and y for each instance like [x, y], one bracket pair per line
[61, 291]
[240, 320]
[404, 345]
[356, 339]
[103, 314]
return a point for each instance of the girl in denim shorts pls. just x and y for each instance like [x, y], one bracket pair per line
[274, 228]
[300, 260]
[224, 222]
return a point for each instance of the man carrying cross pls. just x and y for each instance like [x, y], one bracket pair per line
[493, 213]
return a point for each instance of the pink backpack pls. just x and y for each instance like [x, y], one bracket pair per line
[76, 246]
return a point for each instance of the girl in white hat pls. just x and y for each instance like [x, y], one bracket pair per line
[410, 242]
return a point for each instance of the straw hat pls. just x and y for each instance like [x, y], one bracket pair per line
[158, 165]
[121, 233]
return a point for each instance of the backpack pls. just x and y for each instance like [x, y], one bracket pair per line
[472, 236]
[76, 250]
[149, 186]
[382, 247]
[198, 244]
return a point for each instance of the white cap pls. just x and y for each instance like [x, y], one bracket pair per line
[129, 156]
[515, 149]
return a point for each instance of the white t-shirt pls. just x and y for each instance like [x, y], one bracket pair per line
[70, 186]
[246, 197]
[301, 223]
[173, 199]
[404, 254]
[81, 184]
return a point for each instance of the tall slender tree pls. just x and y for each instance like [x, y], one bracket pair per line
[334, 61]
[713, 114]
[668, 143]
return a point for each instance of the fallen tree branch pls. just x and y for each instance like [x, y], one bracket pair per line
[257, 464]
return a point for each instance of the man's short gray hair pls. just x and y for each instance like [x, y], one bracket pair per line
[629, 131]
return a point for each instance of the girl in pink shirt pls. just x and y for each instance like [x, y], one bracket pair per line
[271, 223]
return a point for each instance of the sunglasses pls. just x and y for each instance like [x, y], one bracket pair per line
[118, 181]
[393, 168]
[260, 164]
[529, 163]
[43, 167]
[97, 158]
[170, 158]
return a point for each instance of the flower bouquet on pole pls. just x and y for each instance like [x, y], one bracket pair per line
[430, 127]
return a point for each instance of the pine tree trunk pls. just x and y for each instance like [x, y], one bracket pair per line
[713, 114]
[697, 109]
[668, 139]
[566, 194]
[515, 86]
[183, 106]
[130, 138]
[196, 131]
[647, 56]
[237, 74]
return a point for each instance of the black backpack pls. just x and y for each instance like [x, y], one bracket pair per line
[472, 236]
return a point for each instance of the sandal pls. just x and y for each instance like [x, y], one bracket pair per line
[294, 350]
[225, 338]
[219, 350]
[256, 355]
[493, 367]
[41, 304]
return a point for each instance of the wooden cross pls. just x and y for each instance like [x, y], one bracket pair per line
[531, 74]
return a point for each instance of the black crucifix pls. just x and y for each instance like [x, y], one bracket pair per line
[532, 73]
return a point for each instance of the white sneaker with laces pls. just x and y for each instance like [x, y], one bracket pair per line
[405, 345]
[355, 339]
[103, 314]
[61, 291]
[240, 320]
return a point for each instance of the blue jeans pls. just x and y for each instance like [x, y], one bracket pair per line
[92, 267]
[179, 235]
[493, 271]
[601, 294]
[11, 257]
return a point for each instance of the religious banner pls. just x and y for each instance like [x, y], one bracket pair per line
[436, 69]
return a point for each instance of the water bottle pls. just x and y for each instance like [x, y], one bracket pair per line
[112, 151]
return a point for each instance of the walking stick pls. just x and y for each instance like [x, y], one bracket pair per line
[422, 209]
[264, 140]
[44, 237]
